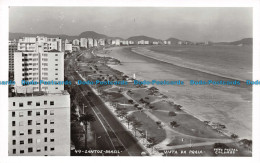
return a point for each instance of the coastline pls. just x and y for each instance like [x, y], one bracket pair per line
[186, 106]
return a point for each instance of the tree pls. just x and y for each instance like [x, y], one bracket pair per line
[234, 136]
[85, 118]
[172, 113]
[130, 101]
[174, 124]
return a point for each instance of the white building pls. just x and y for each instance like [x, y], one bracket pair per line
[95, 43]
[84, 42]
[38, 65]
[155, 42]
[146, 42]
[39, 125]
[101, 42]
[90, 42]
[68, 47]
[39, 114]
[141, 42]
[31, 43]
[117, 42]
[113, 42]
[169, 42]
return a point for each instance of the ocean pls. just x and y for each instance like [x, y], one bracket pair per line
[228, 105]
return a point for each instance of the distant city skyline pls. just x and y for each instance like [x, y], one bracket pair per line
[193, 24]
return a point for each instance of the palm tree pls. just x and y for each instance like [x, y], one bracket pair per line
[85, 118]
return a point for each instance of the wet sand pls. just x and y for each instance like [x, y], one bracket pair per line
[228, 105]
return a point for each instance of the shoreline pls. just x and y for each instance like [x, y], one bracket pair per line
[201, 118]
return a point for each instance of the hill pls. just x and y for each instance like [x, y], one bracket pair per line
[245, 41]
[138, 38]
[173, 40]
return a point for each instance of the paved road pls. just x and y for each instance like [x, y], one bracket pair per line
[110, 133]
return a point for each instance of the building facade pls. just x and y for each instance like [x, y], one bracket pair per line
[12, 49]
[39, 125]
[31, 43]
[84, 42]
[37, 66]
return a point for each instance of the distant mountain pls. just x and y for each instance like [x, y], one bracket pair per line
[173, 40]
[87, 34]
[138, 38]
[245, 41]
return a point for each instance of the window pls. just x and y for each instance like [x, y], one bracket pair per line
[21, 123]
[30, 141]
[45, 148]
[30, 149]
[13, 114]
[52, 103]
[45, 103]
[38, 131]
[14, 142]
[13, 132]
[21, 133]
[38, 104]
[21, 151]
[14, 151]
[56, 64]
[29, 122]
[52, 121]
[52, 112]
[29, 103]
[13, 123]
[56, 54]
[52, 130]
[38, 122]
[45, 139]
[51, 140]
[20, 104]
[29, 131]
[56, 59]
[13, 103]
[52, 149]
[38, 149]
[29, 113]
[45, 121]
[21, 142]
[20, 114]
[38, 113]
[45, 130]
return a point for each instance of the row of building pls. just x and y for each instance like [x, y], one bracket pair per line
[39, 113]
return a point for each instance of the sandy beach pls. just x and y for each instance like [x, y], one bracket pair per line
[228, 105]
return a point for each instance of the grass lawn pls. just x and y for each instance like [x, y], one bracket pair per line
[141, 93]
[151, 127]
[189, 125]
[116, 97]
[164, 105]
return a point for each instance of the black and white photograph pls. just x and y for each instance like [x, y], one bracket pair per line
[168, 81]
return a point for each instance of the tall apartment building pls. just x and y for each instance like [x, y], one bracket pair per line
[39, 115]
[90, 42]
[84, 42]
[12, 49]
[38, 65]
[31, 43]
[39, 125]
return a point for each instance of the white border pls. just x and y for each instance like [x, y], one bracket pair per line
[4, 19]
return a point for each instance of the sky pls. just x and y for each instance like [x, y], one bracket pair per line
[185, 23]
